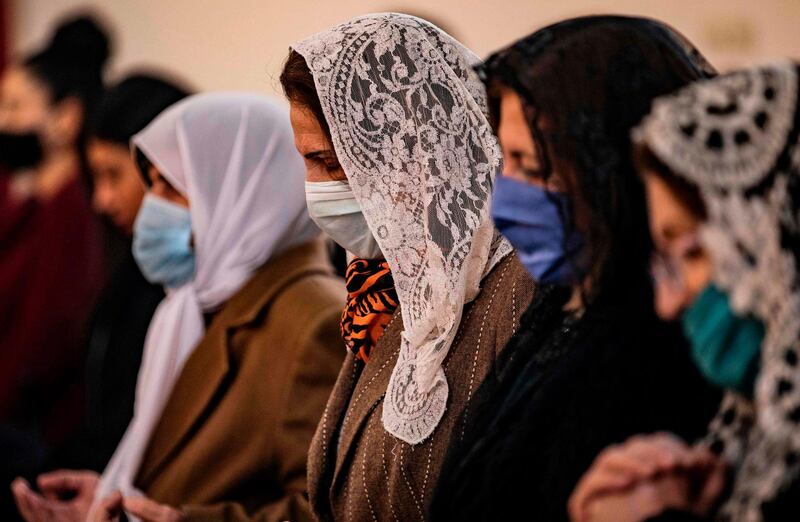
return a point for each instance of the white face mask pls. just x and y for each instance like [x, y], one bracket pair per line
[333, 207]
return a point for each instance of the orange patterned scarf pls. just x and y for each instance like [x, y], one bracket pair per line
[371, 301]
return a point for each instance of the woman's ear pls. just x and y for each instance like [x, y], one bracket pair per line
[152, 174]
[65, 124]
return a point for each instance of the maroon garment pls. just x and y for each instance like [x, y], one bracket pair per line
[50, 275]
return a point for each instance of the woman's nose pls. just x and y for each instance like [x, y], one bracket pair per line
[511, 170]
[670, 301]
[102, 200]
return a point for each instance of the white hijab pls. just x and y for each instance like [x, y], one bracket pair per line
[407, 115]
[232, 155]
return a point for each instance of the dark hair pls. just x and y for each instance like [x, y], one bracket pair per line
[144, 164]
[299, 88]
[585, 83]
[72, 62]
[72, 65]
[130, 105]
[687, 192]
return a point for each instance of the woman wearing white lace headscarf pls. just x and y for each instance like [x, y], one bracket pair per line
[721, 161]
[400, 159]
[240, 356]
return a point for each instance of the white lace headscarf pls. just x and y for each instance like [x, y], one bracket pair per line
[736, 138]
[407, 115]
[232, 155]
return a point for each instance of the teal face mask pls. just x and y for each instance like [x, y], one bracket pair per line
[162, 236]
[725, 346]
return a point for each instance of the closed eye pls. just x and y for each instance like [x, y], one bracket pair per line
[324, 159]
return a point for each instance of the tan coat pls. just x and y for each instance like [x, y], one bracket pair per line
[232, 442]
[362, 473]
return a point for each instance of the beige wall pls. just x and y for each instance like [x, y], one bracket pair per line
[240, 44]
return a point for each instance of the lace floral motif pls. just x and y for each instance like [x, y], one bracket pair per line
[735, 137]
[729, 135]
[407, 115]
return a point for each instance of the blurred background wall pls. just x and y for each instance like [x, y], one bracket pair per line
[240, 44]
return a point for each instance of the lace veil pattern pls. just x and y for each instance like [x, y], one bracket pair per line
[408, 120]
[736, 138]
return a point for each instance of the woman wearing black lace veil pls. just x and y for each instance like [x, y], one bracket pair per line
[591, 363]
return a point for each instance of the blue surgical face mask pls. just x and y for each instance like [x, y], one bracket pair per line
[333, 207]
[725, 346]
[162, 237]
[529, 217]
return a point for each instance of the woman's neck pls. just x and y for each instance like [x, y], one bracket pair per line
[575, 304]
[577, 301]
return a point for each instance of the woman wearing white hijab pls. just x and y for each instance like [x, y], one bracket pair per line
[400, 163]
[242, 353]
